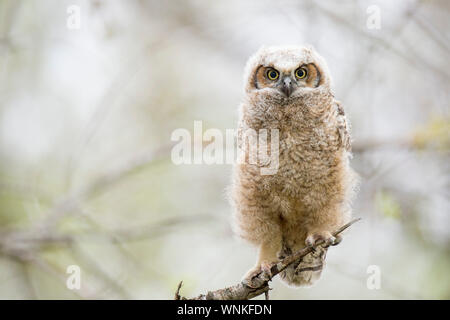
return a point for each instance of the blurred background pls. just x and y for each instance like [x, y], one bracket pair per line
[90, 92]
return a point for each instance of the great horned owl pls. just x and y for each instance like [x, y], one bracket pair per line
[289, 89]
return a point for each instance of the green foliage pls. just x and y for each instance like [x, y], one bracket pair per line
[388, 205]
[435, 133]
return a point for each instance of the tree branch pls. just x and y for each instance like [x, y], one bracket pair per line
[241, 291]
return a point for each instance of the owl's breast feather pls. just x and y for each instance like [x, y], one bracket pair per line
[308, 164]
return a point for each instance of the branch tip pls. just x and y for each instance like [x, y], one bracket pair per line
[177, 293]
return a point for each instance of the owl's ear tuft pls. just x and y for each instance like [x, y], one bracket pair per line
[261, 51]
[310, 48]
[252, 66]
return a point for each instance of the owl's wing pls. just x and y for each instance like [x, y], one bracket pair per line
[343, 127]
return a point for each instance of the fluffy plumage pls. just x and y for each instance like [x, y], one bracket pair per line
[310, 194]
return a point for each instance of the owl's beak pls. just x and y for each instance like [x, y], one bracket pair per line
[286, 86]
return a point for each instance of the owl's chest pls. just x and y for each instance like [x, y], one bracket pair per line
[308, 161]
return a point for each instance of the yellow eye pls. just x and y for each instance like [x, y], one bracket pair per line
[301, 73]
[272, 74]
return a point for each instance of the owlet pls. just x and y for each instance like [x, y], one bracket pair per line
[288, 89]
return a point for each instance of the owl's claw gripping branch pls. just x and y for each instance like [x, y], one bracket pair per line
[252, 276]
[260, 281]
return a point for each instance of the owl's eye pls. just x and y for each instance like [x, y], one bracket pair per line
[301, 73]
[272, 74]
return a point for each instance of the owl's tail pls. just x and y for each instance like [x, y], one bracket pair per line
[307, 271]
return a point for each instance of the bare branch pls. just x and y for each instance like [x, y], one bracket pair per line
[177, 293]
[241, 291]
[71, 202]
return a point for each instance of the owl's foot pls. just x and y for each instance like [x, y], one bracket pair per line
[313, 239]
[250, 279]
[250, 275]
[337, 240]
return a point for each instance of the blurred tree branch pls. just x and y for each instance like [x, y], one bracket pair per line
[415, 62]
[71, 202]
[25, 246]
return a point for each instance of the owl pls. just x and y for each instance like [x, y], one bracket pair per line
[288, 88]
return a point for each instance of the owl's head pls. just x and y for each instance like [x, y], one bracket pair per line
[286, 72]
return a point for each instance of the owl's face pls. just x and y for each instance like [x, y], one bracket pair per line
[286, 73]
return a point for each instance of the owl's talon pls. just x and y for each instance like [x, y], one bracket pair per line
[314, 239]
[267, 268]
[329, 241]
[337, 240]
[248, 278]
[312, 246]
